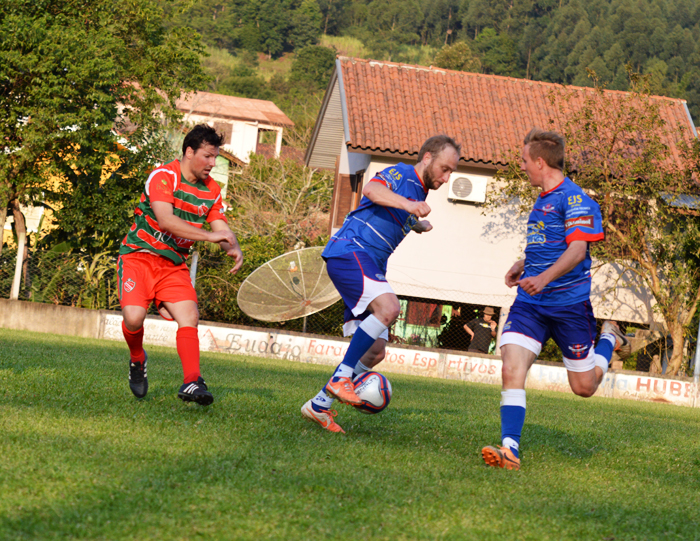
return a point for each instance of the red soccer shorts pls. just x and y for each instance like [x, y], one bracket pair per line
[144, 278]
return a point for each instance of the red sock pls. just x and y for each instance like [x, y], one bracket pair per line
[188, 350]
[135, 342]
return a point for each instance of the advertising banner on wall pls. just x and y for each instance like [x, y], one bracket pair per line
[403, 360]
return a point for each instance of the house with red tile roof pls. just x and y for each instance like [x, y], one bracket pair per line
[376, 114]
[242, 121]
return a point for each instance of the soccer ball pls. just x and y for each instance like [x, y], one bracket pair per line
[374, 390]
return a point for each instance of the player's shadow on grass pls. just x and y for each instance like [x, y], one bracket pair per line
[561, 441]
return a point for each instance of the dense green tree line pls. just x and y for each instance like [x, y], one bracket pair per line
[549, 40]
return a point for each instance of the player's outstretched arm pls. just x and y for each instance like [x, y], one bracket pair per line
[572, 256]
[232, 249]
[381, 195]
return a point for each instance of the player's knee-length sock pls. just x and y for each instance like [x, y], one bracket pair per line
[365, 335]
[604, 350]
[187, 341]
[512, 418]
[135, 342]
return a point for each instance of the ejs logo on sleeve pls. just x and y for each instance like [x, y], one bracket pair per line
[580, 221]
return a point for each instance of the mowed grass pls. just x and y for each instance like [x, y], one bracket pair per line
[81, 458]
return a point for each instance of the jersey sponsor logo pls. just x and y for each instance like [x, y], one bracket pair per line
[535, 233]
[578, 350]
[547, 208]
[129, 285]
[575, 200]
[581, 221]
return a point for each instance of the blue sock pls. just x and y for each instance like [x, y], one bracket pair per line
[365, 335]
[605, 346]
[512, 418]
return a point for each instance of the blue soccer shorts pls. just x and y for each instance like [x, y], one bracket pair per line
[572, 327]
[359, 281]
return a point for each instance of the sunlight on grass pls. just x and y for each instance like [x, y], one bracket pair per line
[345, 45]
[81, 458]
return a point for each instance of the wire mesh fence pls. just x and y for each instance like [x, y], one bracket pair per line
[91, 282]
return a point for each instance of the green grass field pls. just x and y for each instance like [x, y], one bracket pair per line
[80, 458]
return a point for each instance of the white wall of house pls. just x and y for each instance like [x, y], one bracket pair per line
[467, 254]
[352, 162]
[244, 135]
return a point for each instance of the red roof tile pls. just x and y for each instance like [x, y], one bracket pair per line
[394, 107]
[219, 105]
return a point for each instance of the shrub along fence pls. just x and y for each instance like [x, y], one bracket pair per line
[90, 281]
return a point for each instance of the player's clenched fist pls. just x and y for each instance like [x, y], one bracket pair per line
[419, 208]
[513, 275]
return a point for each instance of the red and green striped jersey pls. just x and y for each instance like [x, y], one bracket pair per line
[195, 202]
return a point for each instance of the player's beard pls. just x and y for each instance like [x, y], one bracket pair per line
[201, 175]
[429, 177]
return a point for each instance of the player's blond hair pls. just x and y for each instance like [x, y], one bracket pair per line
[548, 145]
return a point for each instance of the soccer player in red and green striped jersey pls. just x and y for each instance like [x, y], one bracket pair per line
[179, 197]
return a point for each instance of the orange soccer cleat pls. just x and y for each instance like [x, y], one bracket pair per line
[325, 419]
[500, 458]
[343, 390]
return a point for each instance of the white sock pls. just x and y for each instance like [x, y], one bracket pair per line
[513, 397]
[511, 443]
[343, 371]
[373, 327]
[359, 369]
[322, 399]
[601, 362]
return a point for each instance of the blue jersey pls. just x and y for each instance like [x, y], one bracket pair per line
[560, 216]
[376, 229]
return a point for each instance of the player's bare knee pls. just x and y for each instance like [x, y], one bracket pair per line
[133, 318]
[583, 391]
[390, 313]
[511, 376]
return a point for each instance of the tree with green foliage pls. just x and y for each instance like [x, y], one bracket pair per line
[82, 84]
[281, 199]
[312, 67]
[617, 150]
[458, 57]
[306, 25]
[498, 53]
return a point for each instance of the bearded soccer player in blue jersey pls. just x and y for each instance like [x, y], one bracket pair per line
[356, 260]
[554, 286]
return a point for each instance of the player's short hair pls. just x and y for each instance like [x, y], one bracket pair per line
[437, 144]
[548, 145]
[200, 135]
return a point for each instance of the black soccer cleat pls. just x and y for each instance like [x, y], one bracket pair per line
[138, 377]
[196, 391]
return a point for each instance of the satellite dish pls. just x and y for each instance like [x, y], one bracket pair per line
[290, 286]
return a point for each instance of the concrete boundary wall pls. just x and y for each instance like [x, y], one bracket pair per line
[297, 347]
